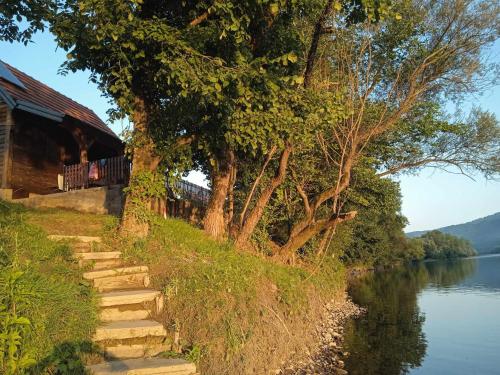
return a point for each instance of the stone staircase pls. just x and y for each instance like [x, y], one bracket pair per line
[128, 335]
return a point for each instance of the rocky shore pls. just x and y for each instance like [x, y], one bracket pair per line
[328, 357]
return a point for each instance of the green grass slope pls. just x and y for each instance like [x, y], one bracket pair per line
[235, 312]
[47, 315]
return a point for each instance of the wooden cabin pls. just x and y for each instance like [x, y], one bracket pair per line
[43, 133]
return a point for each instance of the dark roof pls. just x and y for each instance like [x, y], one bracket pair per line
[48, 101]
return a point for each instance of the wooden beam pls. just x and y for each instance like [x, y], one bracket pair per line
[82, 142]
[6, 125]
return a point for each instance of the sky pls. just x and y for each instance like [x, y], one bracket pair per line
[431, 200]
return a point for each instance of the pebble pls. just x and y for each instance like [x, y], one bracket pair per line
[328, 357]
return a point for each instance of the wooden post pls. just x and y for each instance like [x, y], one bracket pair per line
[82, 142]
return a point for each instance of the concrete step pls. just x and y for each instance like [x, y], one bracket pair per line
[100, 260]
[128, 297]
[122, 282]
[99, 255]
[59, 237]
[83, 247]
[113, 314]
[144, 366]
[103, 264]
[128, 329]
[134, 351]
[91, 275]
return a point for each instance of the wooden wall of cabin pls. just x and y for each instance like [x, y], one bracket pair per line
[4, 144]
[40, 148]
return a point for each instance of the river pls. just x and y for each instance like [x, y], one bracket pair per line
[439, 317]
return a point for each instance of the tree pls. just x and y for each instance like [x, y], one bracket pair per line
[428, 138]
[146, 57]
[377, 232]
[383, 72]
[272, 97]
[438, 245]
[264, 123]
[20, 19]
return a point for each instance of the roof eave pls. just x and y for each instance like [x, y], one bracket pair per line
[40, 111]
[4, 95]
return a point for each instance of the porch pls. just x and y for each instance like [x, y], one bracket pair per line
[97, 173]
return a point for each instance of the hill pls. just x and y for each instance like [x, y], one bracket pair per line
[484, 233]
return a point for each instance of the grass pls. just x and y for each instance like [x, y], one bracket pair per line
[238, 311]
[48, 314]
[58, 221]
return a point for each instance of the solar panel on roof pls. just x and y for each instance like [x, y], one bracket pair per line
[7, 75]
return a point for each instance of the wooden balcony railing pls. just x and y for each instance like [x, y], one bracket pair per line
[192, 192]
[116, 170]
[103, 172]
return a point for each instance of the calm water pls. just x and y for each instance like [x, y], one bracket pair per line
[433, 318]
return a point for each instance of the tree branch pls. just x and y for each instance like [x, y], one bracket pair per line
[255, 184]
[199, 19]
[313, 49]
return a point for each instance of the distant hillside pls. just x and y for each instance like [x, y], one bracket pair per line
[484, 233]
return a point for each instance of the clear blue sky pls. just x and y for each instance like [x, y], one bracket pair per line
[430, 200]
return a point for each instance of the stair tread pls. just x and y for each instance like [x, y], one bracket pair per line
[127, 329]
[127, 297]
[97, 255]
[134, 350]
[120, 324]
[122, 282]
[144, 366]
[91, 275]
[60, 237]
[111, 314]
[104, 264]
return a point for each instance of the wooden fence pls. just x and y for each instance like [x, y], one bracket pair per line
[103, 172]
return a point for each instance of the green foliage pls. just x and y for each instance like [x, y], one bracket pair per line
[377, 232]
[221, 85]
[429, 138]
[15, 296]
[20, 19]
[144, 186]
[439, 245]
[43, 302]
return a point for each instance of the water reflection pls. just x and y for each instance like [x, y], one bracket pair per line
[446, 274]
[390, 338]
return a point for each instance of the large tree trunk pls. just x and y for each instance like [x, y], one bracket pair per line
[307, 228]
[143, 159]
[214, 222]
[255, 215]
[295, 242]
